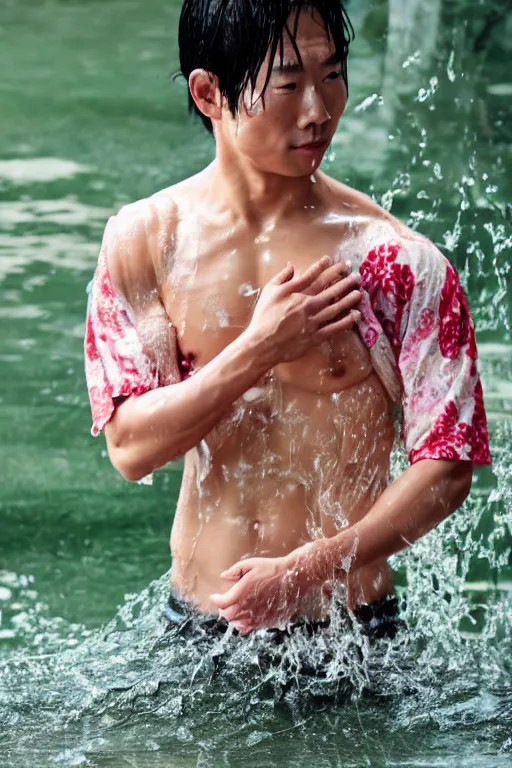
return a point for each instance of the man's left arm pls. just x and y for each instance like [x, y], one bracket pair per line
[412, 505]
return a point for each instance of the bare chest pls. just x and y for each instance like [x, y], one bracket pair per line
[212, 287]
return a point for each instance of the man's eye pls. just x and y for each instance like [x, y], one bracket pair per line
[288, 87]
[334, 76]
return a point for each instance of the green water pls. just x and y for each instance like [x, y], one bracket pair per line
[90, 119]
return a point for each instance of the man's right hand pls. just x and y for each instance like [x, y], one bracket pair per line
[295, 313]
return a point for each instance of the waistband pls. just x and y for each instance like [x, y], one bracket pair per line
[379, 619]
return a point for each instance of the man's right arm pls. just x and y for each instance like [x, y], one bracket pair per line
[147, 432]
[293, 314]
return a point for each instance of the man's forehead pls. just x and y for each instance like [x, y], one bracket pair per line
[320, 53]
[311, 39]
[323, 55]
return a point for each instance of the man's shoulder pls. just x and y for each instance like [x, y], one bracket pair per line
[142, 232]
[161, 210]
[129, 244]
[352, 203]
[142, 219]
[380, 231]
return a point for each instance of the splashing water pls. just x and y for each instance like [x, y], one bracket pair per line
[132, 686]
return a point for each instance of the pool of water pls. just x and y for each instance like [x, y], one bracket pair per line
[91, 119]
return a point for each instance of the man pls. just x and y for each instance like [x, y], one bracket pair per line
[226, 326]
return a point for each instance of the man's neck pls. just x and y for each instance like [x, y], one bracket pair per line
[260, 198]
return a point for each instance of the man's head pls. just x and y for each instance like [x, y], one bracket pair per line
[268, 76]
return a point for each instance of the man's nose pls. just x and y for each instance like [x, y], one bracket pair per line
[314, 110]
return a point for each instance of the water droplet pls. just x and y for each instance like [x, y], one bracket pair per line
[253, 394]
[247, 289]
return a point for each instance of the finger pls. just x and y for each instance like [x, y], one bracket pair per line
[243, 628]
[285, 275]
[302, 282]
[328, 277]
[235, 613]
[339, 307]
[233, 574]
[334, 292]
[237, 571]
[345, 324]
[228, 598]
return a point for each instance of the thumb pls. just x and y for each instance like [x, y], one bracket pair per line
[285, 275]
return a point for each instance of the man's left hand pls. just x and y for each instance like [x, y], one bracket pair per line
[266, 594]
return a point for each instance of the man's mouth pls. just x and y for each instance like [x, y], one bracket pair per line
[312, 146]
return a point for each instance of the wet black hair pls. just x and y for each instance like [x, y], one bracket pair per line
[230, 39]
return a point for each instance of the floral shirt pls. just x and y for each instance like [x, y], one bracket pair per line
[116, 363]
[415, 322]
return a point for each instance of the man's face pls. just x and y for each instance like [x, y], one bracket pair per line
[289, 128]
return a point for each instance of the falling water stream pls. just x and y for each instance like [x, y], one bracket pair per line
[91, 119]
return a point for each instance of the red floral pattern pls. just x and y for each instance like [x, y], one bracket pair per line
[423, 311]
[456, 325]
[381, 273]
[370, 337]
[426, 323]
[446, 437]
[116, 364]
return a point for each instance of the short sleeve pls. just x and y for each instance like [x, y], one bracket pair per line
[116, 363]
[425, 314]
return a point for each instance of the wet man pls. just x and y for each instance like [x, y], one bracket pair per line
[268, 323]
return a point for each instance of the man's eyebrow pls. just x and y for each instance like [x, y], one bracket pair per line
[331, 60]
[289, 67]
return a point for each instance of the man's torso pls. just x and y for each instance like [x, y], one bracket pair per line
[306, 451]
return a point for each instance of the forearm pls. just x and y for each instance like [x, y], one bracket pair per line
[424, 495]
[150, 430]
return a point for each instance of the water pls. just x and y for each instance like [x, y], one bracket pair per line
[90, 120]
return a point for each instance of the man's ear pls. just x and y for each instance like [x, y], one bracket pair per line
[204, 89]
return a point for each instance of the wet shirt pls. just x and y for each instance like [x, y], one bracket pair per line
[415, 322]
[417, 304]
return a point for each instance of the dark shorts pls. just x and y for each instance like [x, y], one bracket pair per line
[307, 656]
[377, 620]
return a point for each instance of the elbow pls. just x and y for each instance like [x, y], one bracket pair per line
[134, 464]
[129, 466]
[131, 473]
[125, 457]
[136, 470]
[133, 458]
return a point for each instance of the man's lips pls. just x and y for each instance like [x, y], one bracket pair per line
[312, 146]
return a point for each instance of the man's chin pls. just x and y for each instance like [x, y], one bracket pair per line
[293, 166]
[305, 163]
[307, 169]
[298, 170]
